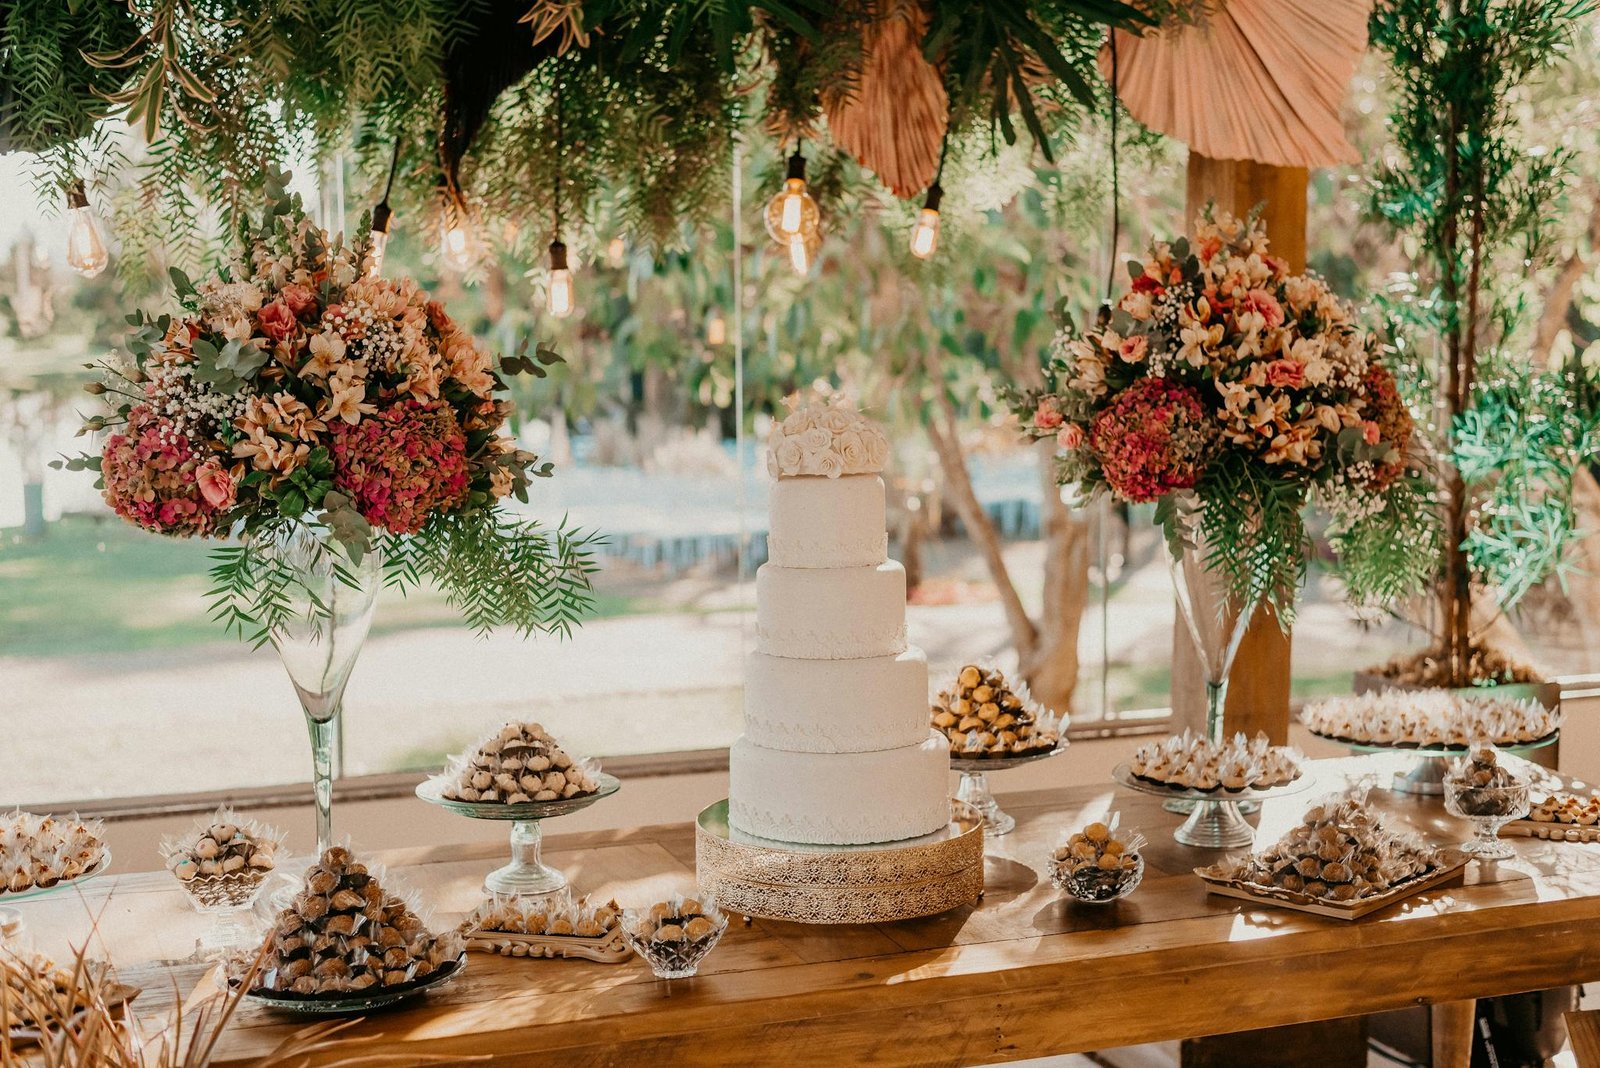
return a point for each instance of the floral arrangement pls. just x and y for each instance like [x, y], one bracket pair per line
[1228, 390]
[300, 388]
[826, 437]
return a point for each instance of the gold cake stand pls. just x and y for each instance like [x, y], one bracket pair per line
[877, 883]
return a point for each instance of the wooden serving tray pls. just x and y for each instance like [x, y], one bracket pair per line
[608, 948]
[1552, 832]
[1339, 910]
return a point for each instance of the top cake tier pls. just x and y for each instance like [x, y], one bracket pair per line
[826, 440]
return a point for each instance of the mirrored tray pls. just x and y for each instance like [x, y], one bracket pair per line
[349, 1004]
[1215, 822]
[527, 875]
[7, 896]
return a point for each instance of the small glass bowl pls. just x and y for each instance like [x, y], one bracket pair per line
[1097, 886]
[229, 900]
[1489, 808]
[672, 960]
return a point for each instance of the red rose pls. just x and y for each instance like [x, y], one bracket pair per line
[1070, 436]
[216, 484]
[1286, 374]
[1133, 349]
[1146, 284]
[300, 300]
[1047, 417]
[1371, 433]
[1264, 303]
[276, 320]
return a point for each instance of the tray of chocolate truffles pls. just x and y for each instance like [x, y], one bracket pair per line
[1189, 763]
[345, 945]
[986, 719]
[39, 854]
[223, 861]
[1340, 861]
[1560, 817]
[547, 927]
[1099, 864]
[674, 936]
[517, 773]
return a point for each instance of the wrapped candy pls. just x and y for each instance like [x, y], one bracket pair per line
[223, 859]
[517, 764]
[983, 716]
[1193, 762]
[39, 852]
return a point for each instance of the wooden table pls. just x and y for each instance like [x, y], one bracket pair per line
[1024, 975]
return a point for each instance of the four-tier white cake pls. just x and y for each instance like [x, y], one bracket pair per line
[837, 747]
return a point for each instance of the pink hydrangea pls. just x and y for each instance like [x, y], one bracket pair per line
[151, 477]
[1151, 439]
[402, 464]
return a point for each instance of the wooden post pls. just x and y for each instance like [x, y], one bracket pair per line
[1258, 687]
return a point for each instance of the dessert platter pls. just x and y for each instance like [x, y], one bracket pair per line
[1340, 861]
[520, 774]
[222, 863]
[674, 936]
[1216, 777]
[546, 927]
[41, 854]
[345, 945]
[837, 762]
[992, 726]
[1481, 789]
[1560, 817]
[1435, 725]
[1098, 865]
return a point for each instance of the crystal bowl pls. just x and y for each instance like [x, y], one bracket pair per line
[1097, 886]
[676, 959]
[1489, 808]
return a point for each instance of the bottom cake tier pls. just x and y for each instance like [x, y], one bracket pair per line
[839, 798]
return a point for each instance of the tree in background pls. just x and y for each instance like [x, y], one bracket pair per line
[1461, 186]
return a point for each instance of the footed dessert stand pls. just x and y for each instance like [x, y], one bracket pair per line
[1215, 822]
[1426, 777]
[877, 883]
[527, 875]
[974, 788]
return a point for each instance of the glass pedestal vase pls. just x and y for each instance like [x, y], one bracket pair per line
[331, 599]
[1216, 621]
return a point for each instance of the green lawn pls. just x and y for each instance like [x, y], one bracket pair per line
[104, 586]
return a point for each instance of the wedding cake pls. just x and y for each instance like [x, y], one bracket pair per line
[837, 749]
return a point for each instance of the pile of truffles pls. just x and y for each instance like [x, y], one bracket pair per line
[37, 852]
[1429, 719]
[1096, 865]
[1568, 809]
[1340, 852]
[1193, 762]
[984, 717]
[1483, 787]
[343, 933]
[674, 935]
[517, 764]
[223, 862]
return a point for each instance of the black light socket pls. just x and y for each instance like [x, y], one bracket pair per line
[558, 256]
[380, 217]
[935, 194]
[797, 166]
[76, 198]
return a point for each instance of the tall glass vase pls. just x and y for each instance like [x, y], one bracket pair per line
[332, 602]
[1216, 620]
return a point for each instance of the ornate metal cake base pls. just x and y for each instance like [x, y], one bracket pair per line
[877, 883]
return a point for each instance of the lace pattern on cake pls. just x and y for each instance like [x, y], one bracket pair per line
[831, 644]
[852, 736]
[856, 827]
[830, 552]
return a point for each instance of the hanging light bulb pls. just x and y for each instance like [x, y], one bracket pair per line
[559, 300]
[925, 234]
[456, 241]
[616, 252]
[716, 328]
[792, 212]
[86, 247]
[378, 238]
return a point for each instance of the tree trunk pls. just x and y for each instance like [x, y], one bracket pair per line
[1054, 668]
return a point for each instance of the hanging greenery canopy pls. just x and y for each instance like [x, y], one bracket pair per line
[518, 109]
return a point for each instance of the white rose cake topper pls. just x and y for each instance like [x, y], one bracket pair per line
[825, 437]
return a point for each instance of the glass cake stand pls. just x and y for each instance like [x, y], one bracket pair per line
[974, 788]
[1426, 777]
[527, 875]
[1215, 822]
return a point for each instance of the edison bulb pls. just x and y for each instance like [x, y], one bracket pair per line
[803, 252]
[925, 234]
[792, 211]
[716, 328]
[456, 242]
[559, 299]
[86, 246]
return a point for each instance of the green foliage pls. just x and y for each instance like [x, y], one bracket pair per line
[1387, 556]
